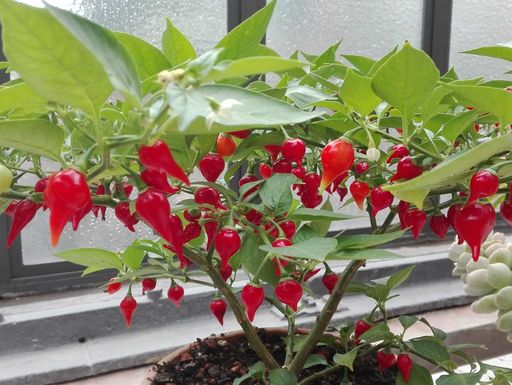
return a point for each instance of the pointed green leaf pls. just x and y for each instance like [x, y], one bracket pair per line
[396, 279]
[456, 126]
[346, 359]
[177, 48]
[357, 91]
[499, 51]
[20, 96]
[364, 241]
[362, 63]
[419, 376]
[91, 257]
[314, 248]
[362, 254]
[276, 193]
[305, 214]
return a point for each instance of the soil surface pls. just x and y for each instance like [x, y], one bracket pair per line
[221, 362]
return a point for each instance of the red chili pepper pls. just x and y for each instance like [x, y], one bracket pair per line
[342, 192]
[175, 294]
[254, 216]
[265, 171]
[21, 213]
[402, 208]
[288, 228]
[122, 212]
[310, 274]
[360, 328]
[299, 172]
[282, 166]
[39, 187]
[227, 243]
[380, 199]
[148, 284]
[337, 157]
[311, 183]
[406, 169]
[66, 193]
[361, 167]
[159, 157]
[451, 218]
[11, 208]
[77, 217]
[113, 286]
[178, 240]
[210, 196]
[210, 228]
[483, 184]
[154, 208]
[158, 180]
[404, 364]
[192, 215]
[359, 191]
[249, 178]
[329, 280]
[293, 150]
[398, 151]
[289, 292]
[191, 231]
[280, 263]
[506, 212]
[226, 146]
[385, 360]
[439, 224]
[252, 297]
[99, 208]
[311, 201]
[218, 308]
[336, 182]
[226, 273]
[128, 306]
[416, 220]
[211, 166]
[274, 150]
[474, 222]
[242, 134]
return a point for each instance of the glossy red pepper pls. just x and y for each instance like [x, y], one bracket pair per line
[113, 286]
[385, 360]
[21, 214]
[311, 183]
[39, 187]
[158, 180]
[227, 243]
[210, 228]
[299, 172]
[474, 222]
[342, 192]
[254, 216]
[380, 199]
[361, 167]
[282, 166]
[329, 280]
[506, 212]
[401, 209]
[398, 151]
[451, 218]
[439, 224]
[310, 274]
[252, 297]
[337, 157]
[96, 209]
[416, 220]
[288, 228]
[209, 196]
[242, 134]
[148, 284]
[280, 263]
[360, 328]
[404, 364]
[122, 212]
[249, 178]
[265, 170]
[311, 201]
[65, 194]
[175, 294]
[406, 169]
[293, 150]
[211, 166]
[128, 306]
[483, 183]
[336, 182]
[226, 146]
[218, 308]
[159, 157]
[11, 208]
[191, 231]
[289, 292]
[274, 150]
[226, 273]
[77, 217]
[359, 191]
[178, 240]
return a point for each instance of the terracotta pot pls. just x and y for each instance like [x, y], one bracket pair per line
[182, 352]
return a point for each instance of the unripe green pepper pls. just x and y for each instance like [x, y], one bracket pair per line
[477, 284]
[504, 323]
[485, 305]
[502, 255]
[504, 298]
[499, 275]
[5, 178]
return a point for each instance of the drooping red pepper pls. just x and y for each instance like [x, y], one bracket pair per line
[310, 274]
[293, 150]
[336, 182]
[359, 191]
[361, 167]
[360, 328]
[96, 209]
[159, 157]
[77, 217]
[226, 146]
[311, 183]
[483, 183]
[178, 240]
[226, 243]
[506, 212]
[337, 157]
[406, 169]
[226, 273]
[210, 196]
[402, 208]
[11, 208]
[242, 134]
[218, 308]
[288, 228]
[385, 360]
[211, 166]
[329, 280]
[342, 192]
[274, 150]
[404, 364]
[439, 224]
[289, 292]
[280, 263]
[249, 178]
[39, 187]
[311, 201]
[122, 212]
[148, 284]
[252, 297]
[128, 306]
[210, 228]
[380, 199]
[299, 172]
[282, 166]
[191, 231]
[158, 180]
[474, 222]
[451, 218]
[398, 151]
[265, 170]
[254, 216]
[22, 213]
[113, 286]
[65, 194]
[416, 220]
[175, 294]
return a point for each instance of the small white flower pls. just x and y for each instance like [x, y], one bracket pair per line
[222, 111]
[373, 154]
[166, 76]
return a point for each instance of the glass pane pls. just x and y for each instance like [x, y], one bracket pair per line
[475, 24]
[367, 27]
[147, 19]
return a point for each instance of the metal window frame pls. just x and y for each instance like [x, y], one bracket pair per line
[436, 31]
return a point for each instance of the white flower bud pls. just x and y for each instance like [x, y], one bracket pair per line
[373, 154]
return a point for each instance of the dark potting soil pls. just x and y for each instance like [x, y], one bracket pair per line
[219, 362]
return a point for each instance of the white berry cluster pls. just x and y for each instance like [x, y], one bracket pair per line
[489, 278]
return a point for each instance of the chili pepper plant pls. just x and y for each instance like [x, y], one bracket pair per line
[114, 127]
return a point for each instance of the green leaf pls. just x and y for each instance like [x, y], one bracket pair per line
[91, 257]
[407, 321]
[65, 73]
[305, 214]
[396, 279]
[487, 99]
[147, 58]
[315, 360]
[103, 43]
[346, 359]
[304, 233]
[406, 80]
[357, 91]
[379, 332]
[255, 109]
[255, 370]
[244, 39]
[314, 248]
[132, 257]
[459, 379]
[20, 96]
[282, 377]
[456, 126]
[361, 254]
[177, 48]
[429, 347]
[37, 136]
[304, 96]
[419, 376]
[362, 63]
[499, 51]
[319, 225]
[276, 193]
[364, 241]
[252, 66]
[251, 259]
[445, 173]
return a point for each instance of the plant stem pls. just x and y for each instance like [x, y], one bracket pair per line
[250, 332]
[320, 374]
[291, 334]
[325, 316]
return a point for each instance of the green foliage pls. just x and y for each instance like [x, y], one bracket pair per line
[176, 47]
[276, 193]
